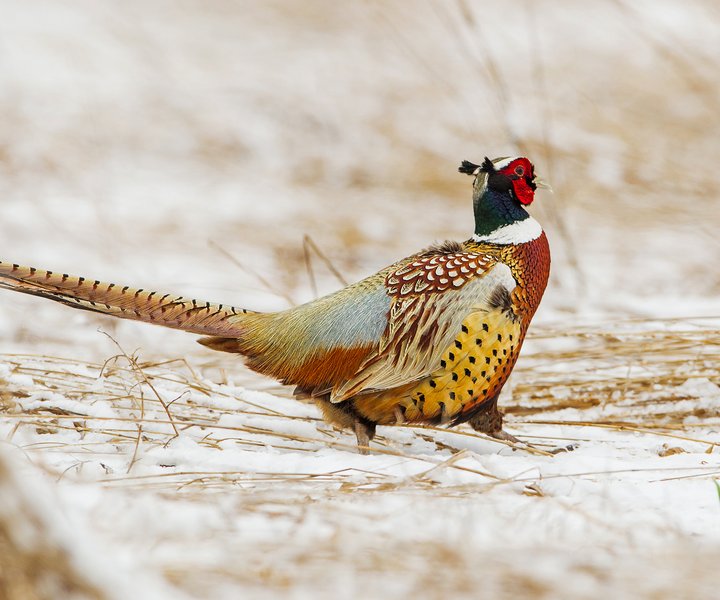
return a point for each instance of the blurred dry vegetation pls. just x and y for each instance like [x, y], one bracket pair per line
[133, 135]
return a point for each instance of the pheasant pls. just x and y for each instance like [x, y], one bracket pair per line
[431, 339]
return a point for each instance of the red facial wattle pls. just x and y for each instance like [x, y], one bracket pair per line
[520, 172]
[523, 192]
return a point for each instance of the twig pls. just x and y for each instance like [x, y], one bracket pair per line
[308, 245]
[264, 282]
[144, 379]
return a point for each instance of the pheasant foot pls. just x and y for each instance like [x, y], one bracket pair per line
[490, 421]
[501, 434]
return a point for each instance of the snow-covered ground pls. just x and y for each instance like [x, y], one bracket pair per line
[191, 147]
[255, 495]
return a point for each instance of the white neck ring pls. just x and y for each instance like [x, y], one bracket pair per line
[519, 232]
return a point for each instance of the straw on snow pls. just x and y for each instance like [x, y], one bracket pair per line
[636, 376]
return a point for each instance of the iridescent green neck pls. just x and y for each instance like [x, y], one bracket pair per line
[495, 209]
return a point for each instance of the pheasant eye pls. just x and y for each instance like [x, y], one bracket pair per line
[519, 171]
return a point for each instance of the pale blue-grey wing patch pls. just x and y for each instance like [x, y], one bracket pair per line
[354, 316]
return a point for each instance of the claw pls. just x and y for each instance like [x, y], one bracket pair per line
[501, 434]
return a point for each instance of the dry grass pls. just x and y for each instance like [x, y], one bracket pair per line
[635, 375]
[636, 372]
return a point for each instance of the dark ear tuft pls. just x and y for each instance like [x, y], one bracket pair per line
[468, 168]
[487, 166]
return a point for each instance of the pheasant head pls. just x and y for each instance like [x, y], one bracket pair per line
[502, 188]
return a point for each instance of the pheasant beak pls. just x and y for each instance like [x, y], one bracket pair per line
[542, 184]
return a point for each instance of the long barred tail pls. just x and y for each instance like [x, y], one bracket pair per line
[195, 316]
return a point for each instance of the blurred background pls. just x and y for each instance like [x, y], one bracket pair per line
[206, 147]
[191, 146]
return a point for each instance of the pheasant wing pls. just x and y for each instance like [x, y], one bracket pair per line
[431, 295]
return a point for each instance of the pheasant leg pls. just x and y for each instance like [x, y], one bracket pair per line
[490, 420]
[365, 432]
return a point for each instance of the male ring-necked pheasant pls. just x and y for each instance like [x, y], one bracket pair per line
[429, 339]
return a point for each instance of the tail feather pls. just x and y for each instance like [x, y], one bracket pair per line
[195, 316]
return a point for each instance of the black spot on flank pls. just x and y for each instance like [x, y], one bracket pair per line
[472, 360]
[478, 341]
[464, 329]
[451, 356]
[443, 364]
[485, 392]
[487, 360]
[488, 379]
[474, 380]
[452, 395]
[510, 336]
[483, 373]
[485, 327]
[499, 361]
[433, 384]
[421, 396]
[470, 392]
[454, 376]
[499, 337]
[504, 351]
[494, 351]
[467, 372]
[458, 344]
